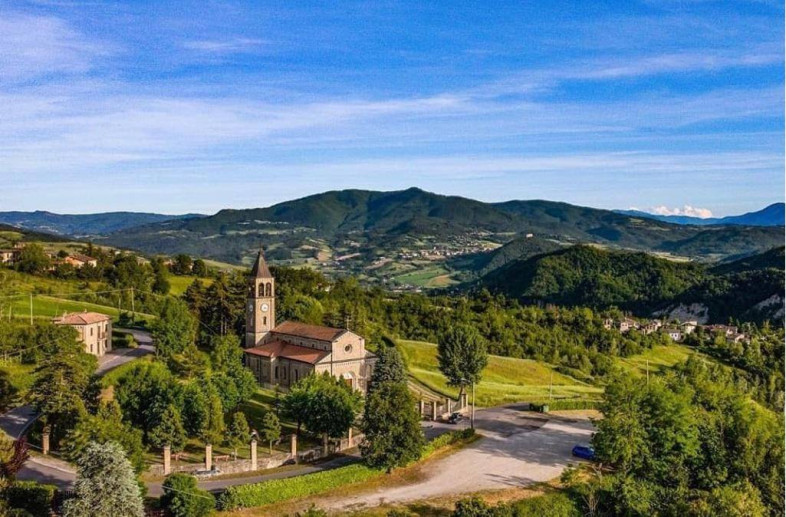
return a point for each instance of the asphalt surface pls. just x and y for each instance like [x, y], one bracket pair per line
[15, 422]
[517, 449]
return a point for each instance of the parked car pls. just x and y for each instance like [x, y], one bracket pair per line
[584, 452]
[455, 418]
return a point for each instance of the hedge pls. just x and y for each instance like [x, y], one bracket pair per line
[446, 439]
[277, 490]
[31, 496]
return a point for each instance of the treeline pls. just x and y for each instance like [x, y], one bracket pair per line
[573, 338]
[757, 363]
[114, 276]
[687, 443]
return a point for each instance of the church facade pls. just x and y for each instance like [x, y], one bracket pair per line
[280, 355]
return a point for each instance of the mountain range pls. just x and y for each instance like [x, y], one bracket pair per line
[772, 215]
[83, 225]
[372, 225]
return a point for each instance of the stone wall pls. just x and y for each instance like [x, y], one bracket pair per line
[225, 467]
[263, 463]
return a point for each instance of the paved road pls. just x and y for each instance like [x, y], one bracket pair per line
[15, 422]
[518, 449]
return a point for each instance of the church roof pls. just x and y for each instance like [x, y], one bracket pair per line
[280, 349]
[294, 328]
[260, 269]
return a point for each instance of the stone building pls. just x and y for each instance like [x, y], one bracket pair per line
[95, 330]
[280, 355]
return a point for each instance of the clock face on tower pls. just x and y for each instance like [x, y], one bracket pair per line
[264, 307]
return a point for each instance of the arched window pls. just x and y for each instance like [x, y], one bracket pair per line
[269, 289]
[261, 290]
[276, 372]
[264, 320]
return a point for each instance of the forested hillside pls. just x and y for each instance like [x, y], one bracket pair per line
[377, 224]
[750, 289]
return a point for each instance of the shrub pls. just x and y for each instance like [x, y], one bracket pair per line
[567, 404]
[31, 496]
[446, 439]
[556, 504]
[276, 490]
[182, 497]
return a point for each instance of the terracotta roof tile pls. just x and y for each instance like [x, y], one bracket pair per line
[275, 349]
[81, 258]
[294, 328]
[81, 318]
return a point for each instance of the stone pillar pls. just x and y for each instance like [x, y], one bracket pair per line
[45, 442]
[422, 405]
[253, 454]
[167, 460]
[349, 438]
[324, 444]
[293, 446]
[208, 457]
[464, 400]
[447, 405]
[434, 410]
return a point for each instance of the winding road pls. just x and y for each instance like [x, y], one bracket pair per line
[47, 469]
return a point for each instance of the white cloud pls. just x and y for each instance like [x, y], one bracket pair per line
[687, 210]
[226, 46]
[35, 46]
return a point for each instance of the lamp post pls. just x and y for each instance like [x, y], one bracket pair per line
[472, 409]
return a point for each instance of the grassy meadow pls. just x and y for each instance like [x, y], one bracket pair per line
[659, 358]
[505, 379]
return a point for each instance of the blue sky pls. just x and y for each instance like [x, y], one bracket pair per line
[193, 107]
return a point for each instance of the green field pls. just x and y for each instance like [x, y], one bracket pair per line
[659, 358]
[504, 380]
[430, 277]
[50, 306]
[179, 284]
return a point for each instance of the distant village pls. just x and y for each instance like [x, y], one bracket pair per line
[675, 330]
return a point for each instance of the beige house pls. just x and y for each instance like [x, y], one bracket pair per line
[280, 355]
[79, 261]
[95, 330]
[9, 256]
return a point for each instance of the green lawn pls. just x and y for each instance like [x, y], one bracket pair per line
[660, 358]
[263, 401]
[179, 284]
[20, 375]
[504, 380]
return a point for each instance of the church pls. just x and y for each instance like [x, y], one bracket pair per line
[280, 355]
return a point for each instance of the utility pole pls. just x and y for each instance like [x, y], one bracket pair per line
[648, 372]
[472, 415]
[551, 384]
[133, 311]
[31, 308]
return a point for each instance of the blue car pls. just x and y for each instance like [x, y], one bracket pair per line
[584, 452]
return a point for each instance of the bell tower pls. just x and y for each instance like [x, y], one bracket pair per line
[261, 303]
